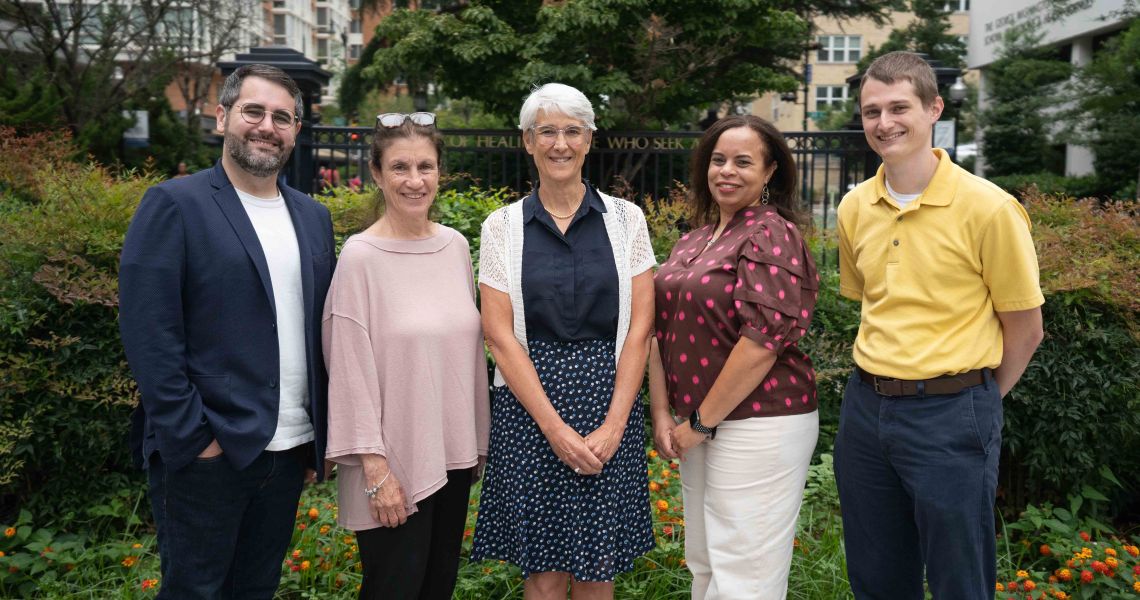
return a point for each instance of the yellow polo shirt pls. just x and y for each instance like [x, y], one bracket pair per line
[933, 276]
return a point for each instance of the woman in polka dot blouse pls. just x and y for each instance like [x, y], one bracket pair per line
[732, 300]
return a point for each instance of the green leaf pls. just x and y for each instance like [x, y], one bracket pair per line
[1092, 494]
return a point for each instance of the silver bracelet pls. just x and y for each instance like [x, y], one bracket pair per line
[371, 492]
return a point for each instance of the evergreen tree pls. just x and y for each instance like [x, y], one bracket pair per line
[1022, 83]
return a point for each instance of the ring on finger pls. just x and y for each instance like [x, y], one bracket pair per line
[578, 470]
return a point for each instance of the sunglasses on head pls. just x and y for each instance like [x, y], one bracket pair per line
[393, 120]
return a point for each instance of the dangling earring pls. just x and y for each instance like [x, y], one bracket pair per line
[764, 196]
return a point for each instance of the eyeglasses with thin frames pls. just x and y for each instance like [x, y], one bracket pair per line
[394, 120]
[547, 135]
[255, 113]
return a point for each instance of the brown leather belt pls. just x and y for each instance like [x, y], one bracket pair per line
[946, 384]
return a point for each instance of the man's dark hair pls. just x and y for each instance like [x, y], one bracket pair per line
[231, 88]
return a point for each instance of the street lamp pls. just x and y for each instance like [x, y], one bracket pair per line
[957, 95]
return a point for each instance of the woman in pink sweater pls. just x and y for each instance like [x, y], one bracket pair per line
[408, 405]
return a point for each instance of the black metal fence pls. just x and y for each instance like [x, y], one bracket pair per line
[640, 163]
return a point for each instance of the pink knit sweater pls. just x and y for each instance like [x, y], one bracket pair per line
[407, 373]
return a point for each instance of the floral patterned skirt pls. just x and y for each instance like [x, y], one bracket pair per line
[538, 513]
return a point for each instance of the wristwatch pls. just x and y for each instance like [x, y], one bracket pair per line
[695, 424]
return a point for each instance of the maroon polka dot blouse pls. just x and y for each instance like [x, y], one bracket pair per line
[757, 280]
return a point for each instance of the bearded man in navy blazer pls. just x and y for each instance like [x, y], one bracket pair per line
[222, 282]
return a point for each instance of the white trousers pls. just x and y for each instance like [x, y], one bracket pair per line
[742, 494]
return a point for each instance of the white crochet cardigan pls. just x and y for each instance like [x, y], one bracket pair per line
[501, 250]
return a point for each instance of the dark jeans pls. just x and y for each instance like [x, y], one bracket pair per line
[917, 478]
[419, 559]
[223, 533]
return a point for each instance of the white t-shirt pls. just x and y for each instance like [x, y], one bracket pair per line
[903, 199]
[274, 227]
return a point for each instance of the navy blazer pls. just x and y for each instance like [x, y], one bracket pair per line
[198, 320]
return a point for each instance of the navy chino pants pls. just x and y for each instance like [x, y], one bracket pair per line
[917, 478]
[223, 533]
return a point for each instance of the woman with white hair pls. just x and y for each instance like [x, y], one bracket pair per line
[566, 281]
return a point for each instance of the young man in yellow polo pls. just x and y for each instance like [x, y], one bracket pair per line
[944, 266]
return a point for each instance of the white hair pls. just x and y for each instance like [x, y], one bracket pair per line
[556, 98]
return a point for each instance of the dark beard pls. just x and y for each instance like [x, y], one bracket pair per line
[254, 163]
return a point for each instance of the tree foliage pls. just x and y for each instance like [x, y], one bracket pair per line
[81, 63]
[928, 33]
[643, 63]
[1109, 92]
[1024, 81]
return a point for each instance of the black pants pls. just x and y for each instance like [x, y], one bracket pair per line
[419, 559]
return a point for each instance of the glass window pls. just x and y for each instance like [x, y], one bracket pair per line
[957, 6]
[839, 48]
[279, 24]
[354, 26]
[830, 96]
[322, 48]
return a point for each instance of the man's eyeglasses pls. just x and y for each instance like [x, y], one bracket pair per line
[394, 120]
[547, 135]
[255, 113]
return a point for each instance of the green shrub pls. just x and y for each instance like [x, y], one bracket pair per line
[65, 393]
[1084, 186]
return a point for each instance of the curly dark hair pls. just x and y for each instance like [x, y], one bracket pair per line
[783, 188]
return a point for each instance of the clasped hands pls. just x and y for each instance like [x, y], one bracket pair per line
[585, 455]
[673, 440]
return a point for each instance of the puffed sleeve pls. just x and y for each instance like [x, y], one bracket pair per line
[776, 287]
[355, 404]
[493, 245]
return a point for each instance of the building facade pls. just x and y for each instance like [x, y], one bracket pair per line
[1076, 36]
[839, 46]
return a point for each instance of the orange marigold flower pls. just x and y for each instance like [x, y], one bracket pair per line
[1111, 562]
[1110, 551]
[662, 505]
[1029, 585]
[665, 473]
[999, 587]
[1136, 586]
[1086, 576]
[1059, 595]
[305, 565]
[2, 555]
[667, 530]
[10, 532]
[652, 454]
[1053, 579]
[149, 584]
[1045, 550]
[1065, 575]
[301, 527]
[654, 486]
[324, 529]
[1099, 567]
[296, 555]
[1022, 574]
[314, 513]
[1085, 536]
[1012, 586]
[1132, 550]
[129, 561]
